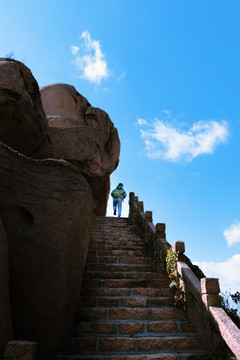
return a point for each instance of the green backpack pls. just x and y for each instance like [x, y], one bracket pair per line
[117, 193]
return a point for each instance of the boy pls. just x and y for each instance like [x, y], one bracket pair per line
[118, 195]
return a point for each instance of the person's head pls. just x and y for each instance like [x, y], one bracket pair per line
[120, 186]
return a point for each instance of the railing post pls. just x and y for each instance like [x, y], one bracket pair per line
[135, 200]
[210, 290]
[148, 216]
[140, 206]
[131, 202]
[179, 248]
[148, 219]
[161, 230]
[161, 238]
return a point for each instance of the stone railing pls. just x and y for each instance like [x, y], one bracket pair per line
[202, 299]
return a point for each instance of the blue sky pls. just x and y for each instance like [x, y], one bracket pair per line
[167, 72]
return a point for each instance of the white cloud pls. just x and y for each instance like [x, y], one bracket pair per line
[168, 113]
[232, 233]
[91, 63]
[164, 141]
[74, 49]
[142, 122]
[227, 272]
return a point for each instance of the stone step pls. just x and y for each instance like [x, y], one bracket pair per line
[108, 248]
[116, 252]
[130, 313]
[108, 229]
[119, 223]
[163, 292]
[116, 224]
[109, 301]
[120, 283]
[124, 275]
[114, 232]
[118, 267]
[116, 259]
[115, 243]
[135, 327]
[158, 356]
[134, 345]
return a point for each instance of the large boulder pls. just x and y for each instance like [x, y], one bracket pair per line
[46, 209]
[23, 124]
[5, 312]
[83, 135]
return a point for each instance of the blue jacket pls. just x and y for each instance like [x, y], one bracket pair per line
[123, 194]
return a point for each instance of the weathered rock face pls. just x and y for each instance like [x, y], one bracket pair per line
[5, 312]
[46, 209]
[83, 135]
[23, 124]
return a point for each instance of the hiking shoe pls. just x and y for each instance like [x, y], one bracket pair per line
[114, 213]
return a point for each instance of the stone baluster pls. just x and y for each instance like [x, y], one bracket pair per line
[179, 248]
[140, 206]
[148, 216]
[131, 196]
[161, 238]
[210, 290]
[131, 202]
[135, 200]
[147, 224]
[161, 230]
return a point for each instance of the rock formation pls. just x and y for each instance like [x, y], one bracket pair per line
[47, 202]
[5, 312]
[46, 209]
[23, 124]
[84, 136]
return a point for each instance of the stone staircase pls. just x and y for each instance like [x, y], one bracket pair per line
[126, 309]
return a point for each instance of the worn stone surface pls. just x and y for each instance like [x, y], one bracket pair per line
[63, 105]
[46, 209]
[211, 300]
[21, 350]
[83, 135]
[5, 312]
[228, 330]
[23, 124]
[210, 286]
[178, 246]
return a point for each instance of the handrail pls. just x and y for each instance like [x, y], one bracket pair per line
[203, 302]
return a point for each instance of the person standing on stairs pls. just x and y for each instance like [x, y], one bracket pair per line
[118, 195]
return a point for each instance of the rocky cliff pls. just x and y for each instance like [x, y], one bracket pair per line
[82, 135]
[56, 156]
